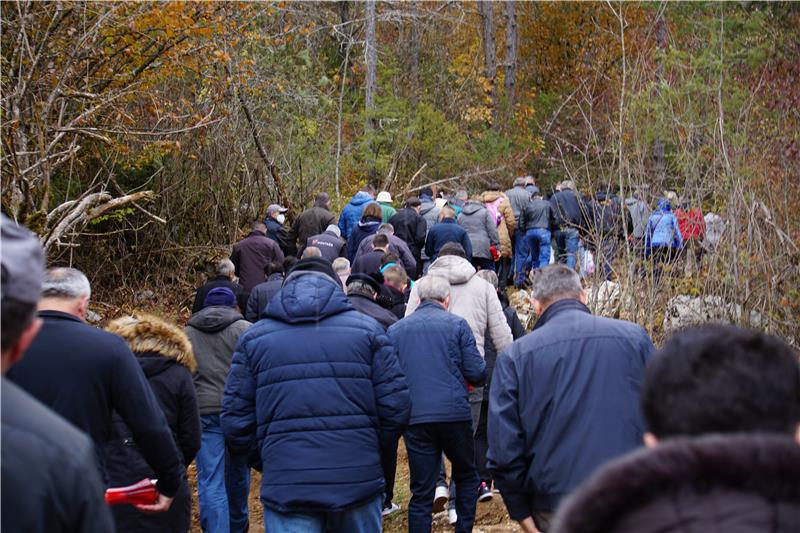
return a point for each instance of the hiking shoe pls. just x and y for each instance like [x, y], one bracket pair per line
[484, 492]
[440, 498]
[452, 516]
[389, 509]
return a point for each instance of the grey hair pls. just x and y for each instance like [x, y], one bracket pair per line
[519, 182]
[386, 228]
[66, 283]
[225, 267]
[490, 276]
[556, 282]
[357, 286]
[433, 288]
[341, 264]
[568, 184]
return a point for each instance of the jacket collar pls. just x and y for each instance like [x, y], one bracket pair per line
[59, 314]
[448, 221]
[256, 233]
[558, 307]
[430, 304]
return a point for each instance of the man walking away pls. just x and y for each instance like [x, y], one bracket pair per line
[313, 414]
[395, 282]
[384, 199]
[214, 332]
[722, 404]
[535, 222]
[481, 227]
[48, 467]
[409, 226]
[639, 213]
[370, 262]
[447, 230]
[342, 268]
[564, 399]
[397, 247]
[263, 292]
[663, 240]
[362, 291]
[312, 222]
[518, 197]
[500, 208]
[225, 274]
[568, 218]
[251, 255]
[440, 414]
[351, 214]
[330, 243]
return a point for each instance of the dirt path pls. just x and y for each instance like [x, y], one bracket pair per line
[491, 516]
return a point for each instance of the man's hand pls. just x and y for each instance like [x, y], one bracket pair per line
[161, 506]
[528, 526]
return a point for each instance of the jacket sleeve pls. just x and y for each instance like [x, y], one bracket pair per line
[413, 300]
[409, 263]
[506, 458]
[497, 325]
[508, 215]
[197, 305]
[235, 259]
[677, 236]
[473, 367]
[188, 420]
[467, 244]
[420, 232]
[279, 257]
[238, 415]
[252, 307]
[429, 240]
[134, 400]
[392, 398]
[343, 223]
[517, 329]
[491, 229]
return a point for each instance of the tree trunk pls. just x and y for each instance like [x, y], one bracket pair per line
[510, 82]
[415, 44]
[371, 54]
[490, 58]
[659, 161]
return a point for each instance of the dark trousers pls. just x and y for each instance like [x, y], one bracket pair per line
[482, 440]
[503, 272]
[425, 444]
[388, 441]
[481, 263]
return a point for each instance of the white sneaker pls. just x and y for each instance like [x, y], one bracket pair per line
[390, 509]
[452, 516]
[440, 498]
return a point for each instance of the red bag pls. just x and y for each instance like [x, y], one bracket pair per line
[142, 493]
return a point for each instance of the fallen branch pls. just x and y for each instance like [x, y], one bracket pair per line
[460, 176]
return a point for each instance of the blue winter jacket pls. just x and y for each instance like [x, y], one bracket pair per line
[662, 228]
[361, 231]
[564, 400]
[438, 355]
[309, 389]
[446, 231]
[351, 214]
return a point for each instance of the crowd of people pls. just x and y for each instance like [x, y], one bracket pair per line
[317, 346]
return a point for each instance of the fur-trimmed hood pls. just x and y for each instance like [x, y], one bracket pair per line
[739, 483]
[149, 334]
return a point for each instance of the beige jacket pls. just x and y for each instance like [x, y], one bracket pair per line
[507, 221]
[473, 299]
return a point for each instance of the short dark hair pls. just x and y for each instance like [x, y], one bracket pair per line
[389, 257]
[289, 262]
[493, 186]
[722, 379]
[413, 202]
[15, 318]
[426, 191]
[272, 267]
[322, 200]
[381, 240]
[453, 248]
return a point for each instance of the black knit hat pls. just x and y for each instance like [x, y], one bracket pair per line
[315, 264]
[373, 280]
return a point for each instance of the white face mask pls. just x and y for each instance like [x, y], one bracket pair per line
[281, 218]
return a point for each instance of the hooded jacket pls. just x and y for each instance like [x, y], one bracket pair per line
[351, 214]
[362, 230]
[662, 228]
[428, 211]
[165, 355]
[261, 295]
[472, 298]
[312, 414]
[640, 213]
[213, 332]
[742, 483]
[564, 400]
[250, 255]
[508, 220]
[480, 227]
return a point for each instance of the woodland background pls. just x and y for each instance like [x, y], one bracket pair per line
[140, 139]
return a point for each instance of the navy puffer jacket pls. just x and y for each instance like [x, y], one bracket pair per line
[309, 389]
[438, 354]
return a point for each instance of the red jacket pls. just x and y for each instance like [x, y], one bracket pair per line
[691, 223]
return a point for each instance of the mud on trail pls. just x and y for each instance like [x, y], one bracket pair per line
[491, 517]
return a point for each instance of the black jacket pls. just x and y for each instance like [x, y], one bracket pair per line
[172, 384]
[330, 244]
[368, 263]
[567, 211]
[213, 283]
[278, 233]
[742, 483]
[309, 223]
[536, 214]
[372, 309]
[517, 331]
[49, 475]
[393, 300]
[250, 256]
[84, 374]
[261, 295]
[410, 227]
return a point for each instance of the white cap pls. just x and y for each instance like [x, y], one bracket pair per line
[384, 196]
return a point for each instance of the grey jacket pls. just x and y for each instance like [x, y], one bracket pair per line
[213, 332]
[640, 214]
[518, 197]
[481, 228]
[429, 212]
[536, 214]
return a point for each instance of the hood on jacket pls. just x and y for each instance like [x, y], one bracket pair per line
[630, 202]
[426, 206]
[472, 207]
[664, 205]
[360, 198]
[153, 363]
[214, 318]
[491, 196]
[369, 222]
[456, 269]
[307, 296]
[765, 465]
[149, 334]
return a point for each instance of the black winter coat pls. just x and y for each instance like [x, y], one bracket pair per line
[372, 309]
[363, 229]
[261, 295]
[213, 283]
[172, 384]
[732, 483]
[250, 256]
[412, 228]
[309, 223]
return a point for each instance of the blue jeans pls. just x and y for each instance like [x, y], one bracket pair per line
[221, 511]
[520, 256]
[425, 444]
[365, 518]
[538, 242]
[571, 245]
